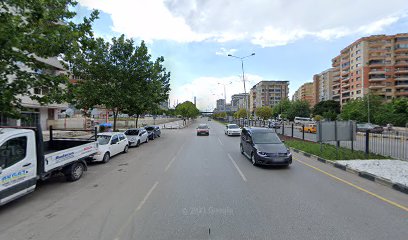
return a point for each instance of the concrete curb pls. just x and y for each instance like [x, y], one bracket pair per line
[366, 175]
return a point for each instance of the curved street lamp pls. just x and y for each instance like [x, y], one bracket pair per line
[243, 79]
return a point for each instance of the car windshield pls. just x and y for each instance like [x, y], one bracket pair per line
[132, 132]
[202, 127]
[233, 126]
[103, 139]
[265, 138]
[149, 128]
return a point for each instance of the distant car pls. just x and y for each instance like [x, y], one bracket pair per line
[372, 128]
[203, 129]
[310, 128]
[274, 124]
[136, 136]
[209, 119]
[153, 131]
[109, 145]
[263, 147]
[232, 129]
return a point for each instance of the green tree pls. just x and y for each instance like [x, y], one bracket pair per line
[264, 112]
[298, 109]
[187, 109]
[328, 109]
[241, 113]
[119, 76]
[318, 118]
[281, 108]
[30, 32]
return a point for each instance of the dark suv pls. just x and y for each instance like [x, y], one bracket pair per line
[263, 147]
[153, 131]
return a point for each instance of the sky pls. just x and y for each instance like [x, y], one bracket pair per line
[292, 39]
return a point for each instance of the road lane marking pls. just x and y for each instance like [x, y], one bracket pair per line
[168, 165]
[219, 140]
[174, 158]
[146, 197]
[355, 186]
[123, 227]
[236, 166]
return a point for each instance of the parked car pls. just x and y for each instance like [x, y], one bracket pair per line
[232, 129]
[274, 124]
[310, 128]
[153, 132]
[263, 147]
[372, 128]
[136, 136]
[110, 144]
[203, 129]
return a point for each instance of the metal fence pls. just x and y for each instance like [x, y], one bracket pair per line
[393, 143]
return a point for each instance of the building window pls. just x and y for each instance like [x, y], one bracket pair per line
[358, 65]
[388, 90]
[358, 92]
[358, 51]
[357, 72]
[358, 58]
[37, 91]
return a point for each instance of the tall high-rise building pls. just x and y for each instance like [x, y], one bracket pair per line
[322, 86]
[268, 93]
[305, 93]
[376, 64]
[221, 104]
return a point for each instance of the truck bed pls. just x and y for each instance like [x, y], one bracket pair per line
[60, 152]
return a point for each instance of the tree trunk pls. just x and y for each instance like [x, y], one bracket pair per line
[115, 116]
[137, 119]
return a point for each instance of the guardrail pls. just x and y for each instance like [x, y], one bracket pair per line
[392, 143]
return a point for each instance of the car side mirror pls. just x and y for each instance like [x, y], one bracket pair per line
[140, 134]
[283, 141]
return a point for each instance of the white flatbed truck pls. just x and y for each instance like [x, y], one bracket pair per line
[25, 158]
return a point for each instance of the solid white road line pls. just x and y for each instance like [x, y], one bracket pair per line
[236, 166]
[220, 141]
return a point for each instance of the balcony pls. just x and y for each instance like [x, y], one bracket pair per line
[376, 71]
[401, 56]
[405, 93]
[376, 63]
[376, 86]
[401, 84]
[401, 63]
[402, 77]
[376, 57]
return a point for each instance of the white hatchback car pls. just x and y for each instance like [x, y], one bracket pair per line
[232, 129]
[136, 136]
[110, 144]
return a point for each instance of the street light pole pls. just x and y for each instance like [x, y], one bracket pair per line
[243, 79]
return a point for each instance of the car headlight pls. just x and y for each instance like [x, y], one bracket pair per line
[288, 153]
[262, 154]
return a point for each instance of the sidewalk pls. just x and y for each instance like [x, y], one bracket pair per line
[391, 173]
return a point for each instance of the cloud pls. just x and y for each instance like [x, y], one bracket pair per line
[207, 90]
[224, 52]
[266, 23]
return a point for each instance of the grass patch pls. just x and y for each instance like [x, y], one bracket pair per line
[329, 151]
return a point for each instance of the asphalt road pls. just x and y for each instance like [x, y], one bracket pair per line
[182, 186]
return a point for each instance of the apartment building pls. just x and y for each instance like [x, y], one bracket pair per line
[35, 113]
[376, 64]
[221, 104]
[322, 86]
[305, 93]
[268, 93]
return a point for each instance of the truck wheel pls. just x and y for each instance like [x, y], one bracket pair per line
[106, 158]
[74, 172]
